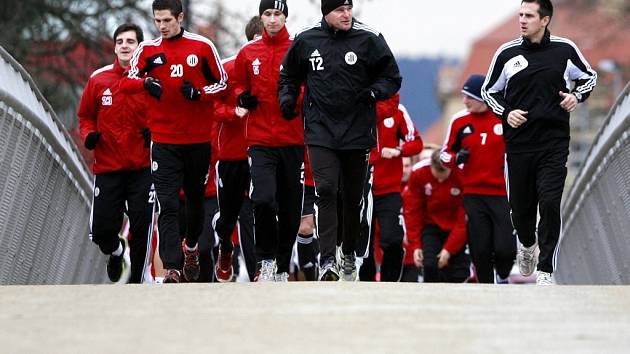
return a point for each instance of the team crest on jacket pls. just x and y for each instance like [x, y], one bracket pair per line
[192, 60]
[154, 166]
[256, 66]
[351, 58]
[428, 189]
[97, 191]
[498, 129]
[455, 192]
[106, 99]
[389, 122]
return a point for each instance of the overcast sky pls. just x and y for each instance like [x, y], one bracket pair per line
[413, 28]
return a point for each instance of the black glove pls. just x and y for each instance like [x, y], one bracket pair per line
[154, 87]
[189, 91]
[463, 132]
[367, 96]
[153, 62]
[462, 156]
[288, 110]
[146, 135]
[91, 139]
[247, 100]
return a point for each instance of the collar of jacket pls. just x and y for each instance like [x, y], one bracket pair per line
[280, 37]
[335, 32]
[527, 43]
[119, 69]
[177, 36]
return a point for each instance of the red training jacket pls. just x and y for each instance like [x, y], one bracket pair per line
[231, 144]
[426, 201]
[173, 119]
[118, 117]
[483, 173]
[257, 69]
[390, 132]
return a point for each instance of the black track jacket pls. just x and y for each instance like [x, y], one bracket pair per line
[529, 76]
[336, 66]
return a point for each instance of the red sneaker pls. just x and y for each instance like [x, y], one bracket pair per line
[223, 270]
[172, 277]
[191, 263]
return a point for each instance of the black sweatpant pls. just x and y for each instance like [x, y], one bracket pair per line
[246, 237]
[233, 180]
[206, 240]
[458, 269]
[276, 190]
[174, 167]
[335, 170]
[490, 235]
[535, 183]
[117, 193]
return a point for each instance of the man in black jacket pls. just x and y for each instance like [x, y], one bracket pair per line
[347, 67]
[529, 86]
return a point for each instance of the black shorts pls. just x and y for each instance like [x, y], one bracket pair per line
[308, 204]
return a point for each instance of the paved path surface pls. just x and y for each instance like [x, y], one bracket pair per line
[314, 318]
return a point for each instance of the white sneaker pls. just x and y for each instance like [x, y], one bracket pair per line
[526, 259]
[282, 277]
[544, 278]
[348, 268]
[267, 271]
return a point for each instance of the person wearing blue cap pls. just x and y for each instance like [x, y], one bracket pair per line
[475, 142]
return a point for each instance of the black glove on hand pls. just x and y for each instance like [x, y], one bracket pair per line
[462, 156]
[146, 135]
[367, 96]
[246, 100]
[153, 62]
[189, 91]
[288, 110]
[91, 139]
[154, 87]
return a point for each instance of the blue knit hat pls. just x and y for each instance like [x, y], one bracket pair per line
[472, 87]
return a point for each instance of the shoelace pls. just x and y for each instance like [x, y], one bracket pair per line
[191, 259]
[266, 270]
[348, 264]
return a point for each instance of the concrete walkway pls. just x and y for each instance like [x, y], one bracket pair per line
[314, 318]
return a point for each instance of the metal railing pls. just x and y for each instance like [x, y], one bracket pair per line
[45, 191]
[595, 246]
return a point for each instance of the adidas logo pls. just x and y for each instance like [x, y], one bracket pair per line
[467, 130]
[256, 62]
[346, 2]
[518, 64]
[107, 92]
[315, 53]
[158, 60]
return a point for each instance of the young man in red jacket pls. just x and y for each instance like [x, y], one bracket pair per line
[393, 127]
[475, 140]
[232, 173]
[182, 72]
[275, 145]
[114, 126]
[436, 221]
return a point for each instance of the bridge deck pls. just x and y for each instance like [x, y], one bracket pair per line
[315, 318]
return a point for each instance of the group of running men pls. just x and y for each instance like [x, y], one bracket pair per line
[298, 143]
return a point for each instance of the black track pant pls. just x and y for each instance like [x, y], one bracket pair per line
[232, 183]
[175, 167]
[331, 170]
[206, 239]
[246, 237]
[276, 191]
[458, 269]
[535, 182]
[490, 235]
[116, 193]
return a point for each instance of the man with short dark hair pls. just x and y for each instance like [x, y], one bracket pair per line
[114, 126]
[530, 86]
[347, 68]
[182, 72]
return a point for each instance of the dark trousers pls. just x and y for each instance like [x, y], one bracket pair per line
[276, 193]
[535, 183]
[335, 171]
[206, 240]
[246, 237]
[233, 180]
[175, 167]
[458, 269]
[490, 235]
[112, 191]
